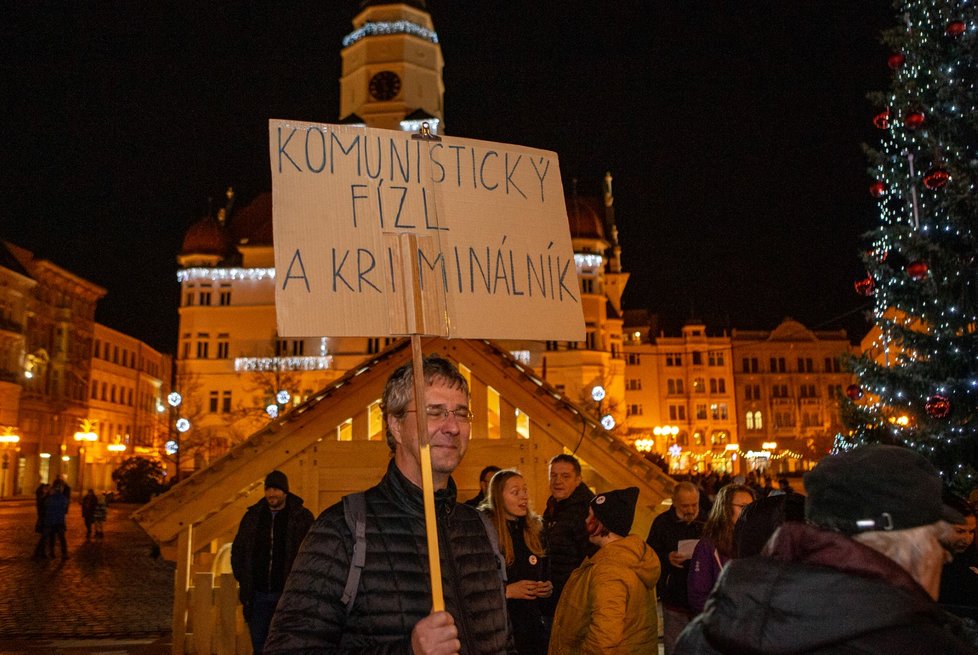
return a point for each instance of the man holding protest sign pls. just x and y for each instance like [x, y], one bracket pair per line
[389, 606]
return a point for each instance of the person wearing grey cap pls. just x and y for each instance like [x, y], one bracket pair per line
[861, 576]
[263, 551]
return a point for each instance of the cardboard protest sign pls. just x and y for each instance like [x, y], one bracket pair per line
[370, 224]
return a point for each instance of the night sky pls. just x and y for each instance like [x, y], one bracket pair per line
[733, 131]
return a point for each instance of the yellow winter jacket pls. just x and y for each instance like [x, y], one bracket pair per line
[608, 603]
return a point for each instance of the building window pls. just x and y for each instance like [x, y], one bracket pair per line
[808, 391]
[373, 345]
[779, 391]
[753, 420]
[554, 345]
[715, 358]
[205, 295]
[699, 385]
[778, 365]
[633, 359]
[203, 345]
[718, 411]
[226, 402]
[94, 389]
[634, 384]
[129, 397]
[750, 364]
[806, 365]
[212, 404]
[784, 420]
[835, 391]
[697, 358]
[701, 411]
[674, 359]
[591, 340]
[675, 386]
[752, 392]
[677, 412]
[587, 285]
[225, 295]
[718, 385]
[832, 365]
[223, 345]
[811, 419]
[635, 409]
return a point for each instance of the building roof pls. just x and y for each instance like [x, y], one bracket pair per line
[252, 225]
[585, 216]
[207, 236]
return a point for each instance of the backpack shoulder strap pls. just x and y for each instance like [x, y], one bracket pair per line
[355, 513]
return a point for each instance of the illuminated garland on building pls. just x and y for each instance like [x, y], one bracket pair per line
[224, 274]
[588, 261]
[261, 364]
[386, 28]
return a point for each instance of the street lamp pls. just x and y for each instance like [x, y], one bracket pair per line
[172, 447]
[598, 394]
[282, 398]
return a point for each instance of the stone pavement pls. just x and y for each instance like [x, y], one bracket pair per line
[109, 596]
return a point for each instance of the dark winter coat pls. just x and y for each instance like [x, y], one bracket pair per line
[55, 508]
[394, 591]
[566, 537]
[526, 615]
[664, 536]
[820, 592]
[254, 543]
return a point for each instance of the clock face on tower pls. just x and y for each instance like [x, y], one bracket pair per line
[384, 85]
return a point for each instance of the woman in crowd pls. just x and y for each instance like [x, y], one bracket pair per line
[527, 570]
[716, 545]
[608, 605]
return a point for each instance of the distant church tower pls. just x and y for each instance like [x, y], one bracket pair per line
[392, 67]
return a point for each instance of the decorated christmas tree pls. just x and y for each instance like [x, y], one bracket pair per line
[918, 385]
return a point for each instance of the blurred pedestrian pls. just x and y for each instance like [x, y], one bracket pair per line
[959, 578]
[716, 545]
[527, 566]
[39, 496]
[608, 604]
[99, 515]
[53, 524]
[88, 504]
[861, 575]
[673, 536]
[263, 551]
[759, 520]
[485, 476]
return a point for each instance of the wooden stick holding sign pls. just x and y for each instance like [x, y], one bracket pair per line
[421, 416]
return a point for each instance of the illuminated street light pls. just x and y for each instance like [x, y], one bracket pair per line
[608, 422]
[644, 445]
[183, 425]
[598, 393]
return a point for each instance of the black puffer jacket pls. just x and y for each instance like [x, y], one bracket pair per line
[820, 592]
[566, 537]
[394, 592]
[243, 554]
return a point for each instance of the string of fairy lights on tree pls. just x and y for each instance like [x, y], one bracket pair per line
[918, 383]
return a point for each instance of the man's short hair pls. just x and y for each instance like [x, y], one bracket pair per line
[684, 486]
[489, 469]
[569, 459]
[399, 390]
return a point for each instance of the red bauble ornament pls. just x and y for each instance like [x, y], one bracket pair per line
[917, 270]
[955, 28]
[854, 391]
[938, 406]
[865, 286]
[877, 189]
[882, 119]
[914, 120]
[936, 178]
[896, 60]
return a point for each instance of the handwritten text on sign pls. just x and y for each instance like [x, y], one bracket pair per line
[497, 258]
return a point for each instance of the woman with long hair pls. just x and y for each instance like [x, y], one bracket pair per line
[716, 545]
[527, 568]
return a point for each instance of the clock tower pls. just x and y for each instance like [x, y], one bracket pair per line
[392, 66]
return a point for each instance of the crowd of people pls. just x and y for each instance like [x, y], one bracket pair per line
[858, 564]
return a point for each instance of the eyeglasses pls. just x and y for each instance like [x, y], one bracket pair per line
[440, 414]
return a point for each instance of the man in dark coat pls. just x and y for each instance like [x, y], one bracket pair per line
[391, 609]
[564, 525]
[682, 522]
[861, 576]
[263, 551]
[959, 579]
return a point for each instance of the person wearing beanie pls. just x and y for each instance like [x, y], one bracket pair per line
[608, 605]
[861, 575]
[263, 551]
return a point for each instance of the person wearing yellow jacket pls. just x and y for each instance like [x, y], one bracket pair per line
[608, 603]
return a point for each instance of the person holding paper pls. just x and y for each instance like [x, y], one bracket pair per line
[716, 545]
[392, 602]
[682, 522]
